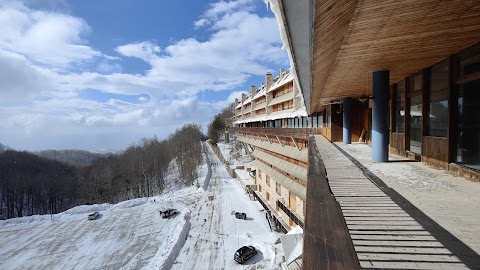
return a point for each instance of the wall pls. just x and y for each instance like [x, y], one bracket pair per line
[397, 143]
[435, 151]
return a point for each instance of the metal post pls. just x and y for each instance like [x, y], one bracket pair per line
[347, 120]
[379, 116]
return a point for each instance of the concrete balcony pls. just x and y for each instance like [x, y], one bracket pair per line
[290, 213]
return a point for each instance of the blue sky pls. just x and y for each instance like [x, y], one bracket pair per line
[100, 75]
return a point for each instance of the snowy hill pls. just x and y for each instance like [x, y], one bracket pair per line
[74, 157]
[132, 235]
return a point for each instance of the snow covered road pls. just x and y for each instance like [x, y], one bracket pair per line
[216, 234]
[131, 234]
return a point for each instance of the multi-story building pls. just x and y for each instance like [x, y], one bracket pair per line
[403, 76]
[280, 156]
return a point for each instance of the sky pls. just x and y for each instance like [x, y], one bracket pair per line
[101, 75]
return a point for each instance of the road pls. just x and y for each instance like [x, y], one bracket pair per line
[216, 234]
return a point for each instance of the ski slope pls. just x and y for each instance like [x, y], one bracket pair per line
[131, 234]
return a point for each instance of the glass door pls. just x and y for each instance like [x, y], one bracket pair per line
[468, 110]
[416, 114]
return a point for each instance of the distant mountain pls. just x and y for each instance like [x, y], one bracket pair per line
[74, 157]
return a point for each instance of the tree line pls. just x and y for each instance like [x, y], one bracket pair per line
[30, 184]
[220, 123]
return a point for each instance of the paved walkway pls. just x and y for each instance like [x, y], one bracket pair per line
[395, 228]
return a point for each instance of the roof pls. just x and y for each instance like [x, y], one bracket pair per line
[281, 82]
[352, 39]
[260, 93]
[294, 170]
[285, 150]
[294, 187]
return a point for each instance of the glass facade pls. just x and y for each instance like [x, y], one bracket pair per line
[468, 110]
[437, 120]
[400, 107]
[416, 113]
[329, 116]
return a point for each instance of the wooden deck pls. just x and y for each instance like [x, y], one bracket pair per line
[387, 231]
[326, 240]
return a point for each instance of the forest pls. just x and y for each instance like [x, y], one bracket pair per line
[30, 184]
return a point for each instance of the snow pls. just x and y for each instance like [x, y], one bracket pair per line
[275, 7]
[132, 235]
[407, 174]
[292, 244]
[234, 156]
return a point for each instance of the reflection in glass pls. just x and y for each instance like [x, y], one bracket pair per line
[468, 125]
[438, 114]
[416, 114]
[400, 108]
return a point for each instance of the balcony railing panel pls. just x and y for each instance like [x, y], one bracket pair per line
[298, 133]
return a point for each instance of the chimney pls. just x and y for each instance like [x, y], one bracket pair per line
[268, 79]
[253, 90]
[236, 102]
[243, 97]
[281, 74]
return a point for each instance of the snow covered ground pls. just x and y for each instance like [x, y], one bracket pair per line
[233, 153]
[131, 234]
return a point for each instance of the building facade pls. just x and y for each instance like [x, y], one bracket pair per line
[401, 76]
[281, 154]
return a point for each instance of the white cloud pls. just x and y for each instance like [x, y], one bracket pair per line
[221, 8]
[143, 50]
[199, 23]
[107, 67]
[19, 79]
[48, 38]
[241, 44]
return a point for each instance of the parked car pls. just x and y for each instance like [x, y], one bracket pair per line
[240, 215]
[244, 253]
[93, 216]
[168, 213]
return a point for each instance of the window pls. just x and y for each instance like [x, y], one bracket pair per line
[469, 62]
[468, 110]
[400, 107]
[320, 120]
[329, 116]
[278, 188]
[267, 180]
[416, 92]
[438, 115]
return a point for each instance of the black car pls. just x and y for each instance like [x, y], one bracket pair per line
[244, 253]
[240, 215]
[93, 216]
[168, 213]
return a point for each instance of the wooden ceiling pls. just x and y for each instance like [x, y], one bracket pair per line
[354, 38]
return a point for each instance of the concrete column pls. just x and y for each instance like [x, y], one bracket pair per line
[347, 120]
[380, 134]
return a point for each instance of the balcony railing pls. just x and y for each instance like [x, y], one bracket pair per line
[281, 225]
[299, 133]
[290, 213]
